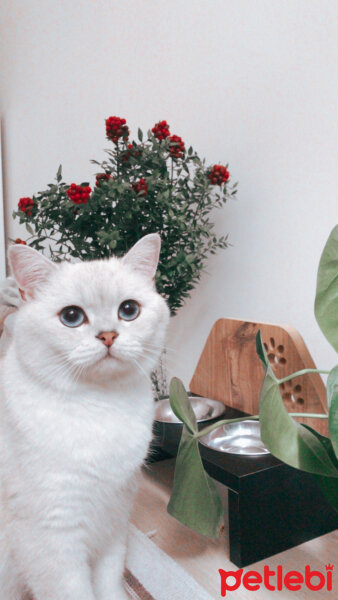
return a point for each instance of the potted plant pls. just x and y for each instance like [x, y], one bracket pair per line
[151, 184]
[194, 500]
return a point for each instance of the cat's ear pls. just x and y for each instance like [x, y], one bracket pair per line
[144, 255]
[30, 269]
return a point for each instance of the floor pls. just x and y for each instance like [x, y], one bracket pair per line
[202, 557]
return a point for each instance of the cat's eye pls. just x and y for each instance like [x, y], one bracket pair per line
[129, 310]
[72, 316]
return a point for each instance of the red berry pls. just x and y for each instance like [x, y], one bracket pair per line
[177, 147]
[116, 128]
[218, 175]
[26, 205]
[161, 130]
[140, 186]
[79, 194]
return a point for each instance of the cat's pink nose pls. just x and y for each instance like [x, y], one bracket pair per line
[107, 337]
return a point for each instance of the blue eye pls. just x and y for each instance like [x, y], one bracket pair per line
[72, 316]
[129, 310]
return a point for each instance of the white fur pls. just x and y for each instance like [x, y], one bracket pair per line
[75, 424]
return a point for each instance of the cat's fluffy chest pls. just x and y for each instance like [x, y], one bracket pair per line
[74, 455]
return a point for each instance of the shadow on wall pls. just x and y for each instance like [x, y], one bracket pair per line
[190, 328]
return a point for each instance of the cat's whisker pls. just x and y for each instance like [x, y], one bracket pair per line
[171, 360]
[54, 353]
[158, 347]
[168, 359]
[141, 369]
[78, 373]
[152, 354]
[57, 364]
[59, 370]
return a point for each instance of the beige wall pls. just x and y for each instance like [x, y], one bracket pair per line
[249, 82]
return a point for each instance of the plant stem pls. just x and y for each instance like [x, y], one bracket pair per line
[171, 178]
[302, 372]
[224, 422]
[207, 430]
[117, 160]
[310, 415]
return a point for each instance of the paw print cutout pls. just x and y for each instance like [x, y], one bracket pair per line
[291, 393]
[275, 353]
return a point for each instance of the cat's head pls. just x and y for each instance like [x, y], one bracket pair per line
[94, 320]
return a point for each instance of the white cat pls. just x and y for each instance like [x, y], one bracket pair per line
[76, 414]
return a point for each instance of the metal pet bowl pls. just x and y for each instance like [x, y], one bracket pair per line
[205, 409]
[242, 438]
[167, 428]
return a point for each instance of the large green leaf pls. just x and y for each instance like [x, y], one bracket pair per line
[194, 501]
[332, 400]
[287, 440]
[326, 303]
[328, 485]
[181, 406]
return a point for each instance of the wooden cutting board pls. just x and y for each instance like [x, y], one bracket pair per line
[229, 369]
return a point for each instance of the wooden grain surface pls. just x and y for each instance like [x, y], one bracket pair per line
[229, 369]
[202, 557]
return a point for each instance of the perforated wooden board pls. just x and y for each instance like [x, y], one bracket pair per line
[229, 369]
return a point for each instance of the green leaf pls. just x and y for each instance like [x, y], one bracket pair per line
[332, 400]
[326, 303]
[181, 406]
[59, 174]
[140, 134]
[286, 439]
[261, 350]
[328, 485]
[29, 229]
[325, 441]
[194, 501]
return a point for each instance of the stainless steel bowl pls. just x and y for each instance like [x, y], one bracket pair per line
[205, 409]
[236, 438]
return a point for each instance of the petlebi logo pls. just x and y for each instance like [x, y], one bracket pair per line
[276, 580]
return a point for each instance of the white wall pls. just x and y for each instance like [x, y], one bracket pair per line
[249, 82]
[2, 224]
